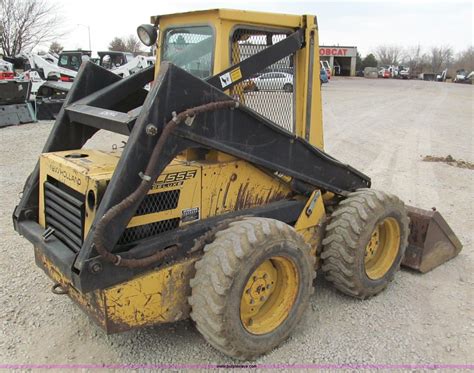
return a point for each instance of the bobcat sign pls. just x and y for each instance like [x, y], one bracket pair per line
[333, 51]
[341, 59]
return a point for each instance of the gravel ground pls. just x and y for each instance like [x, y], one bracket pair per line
[383, 128]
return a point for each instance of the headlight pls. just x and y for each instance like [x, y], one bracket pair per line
[147, 34]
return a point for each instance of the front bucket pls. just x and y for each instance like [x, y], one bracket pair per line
[431, 241]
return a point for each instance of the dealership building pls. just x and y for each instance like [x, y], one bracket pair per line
[341, 59]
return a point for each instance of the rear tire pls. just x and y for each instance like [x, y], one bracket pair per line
[252, 287]
[365, 242]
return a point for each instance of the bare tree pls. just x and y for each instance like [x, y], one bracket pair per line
[27, 23]
[133, 45]
[465, 60]
[388, 54]
[441, 58]
[129, 44]
[55, 48]
[414, 58]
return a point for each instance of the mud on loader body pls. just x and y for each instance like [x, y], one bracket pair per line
[222, 204]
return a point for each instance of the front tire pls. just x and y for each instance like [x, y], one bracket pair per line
[365, 242]
[252, 287]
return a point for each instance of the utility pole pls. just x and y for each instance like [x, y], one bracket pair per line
[89, 31]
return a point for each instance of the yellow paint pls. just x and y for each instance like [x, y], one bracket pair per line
[158, 296]
[92, 173]
[234, 16]
[311, 218]
[236, 74]
[224, 22]
[92, 303]
[216, 185]
[310, 225]
[155, 297]
[220, 183]
[382, 248]
[235, 185]
[269, 295]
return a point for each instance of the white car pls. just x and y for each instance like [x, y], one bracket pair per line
[274, 81]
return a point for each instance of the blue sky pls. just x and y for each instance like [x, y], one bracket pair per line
[363, 24]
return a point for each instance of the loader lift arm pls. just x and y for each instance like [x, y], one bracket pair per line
[101, 100]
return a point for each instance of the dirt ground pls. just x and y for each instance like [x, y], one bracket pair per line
[382, 127]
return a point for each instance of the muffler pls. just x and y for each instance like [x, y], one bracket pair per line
[431, 241]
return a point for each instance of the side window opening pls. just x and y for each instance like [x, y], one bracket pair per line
[270, 92]
[190, 48]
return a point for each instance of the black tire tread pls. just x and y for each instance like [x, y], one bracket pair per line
[342, 235]
[216, 270]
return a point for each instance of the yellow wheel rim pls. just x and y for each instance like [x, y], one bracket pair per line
[382, 249]
[269, 295]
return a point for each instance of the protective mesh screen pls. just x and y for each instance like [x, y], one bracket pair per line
[157, 202]
[147, 230]
[270, 92]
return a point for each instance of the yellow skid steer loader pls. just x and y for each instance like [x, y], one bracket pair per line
[222, 204]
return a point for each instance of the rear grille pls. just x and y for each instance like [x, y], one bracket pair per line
[64, 211]
[158, 202]
[147, 230]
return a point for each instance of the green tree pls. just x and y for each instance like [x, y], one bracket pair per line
[118, 45]
[369, 61]
[358, 62]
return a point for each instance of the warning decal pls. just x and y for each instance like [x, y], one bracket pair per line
[230, 77]
[236, 74]
[225, 80]
[190, 214]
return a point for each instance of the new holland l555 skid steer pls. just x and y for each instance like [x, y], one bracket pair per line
[222, 204]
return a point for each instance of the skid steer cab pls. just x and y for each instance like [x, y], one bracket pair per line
[222, 204]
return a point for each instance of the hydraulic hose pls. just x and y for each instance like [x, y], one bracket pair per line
[144, 187]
